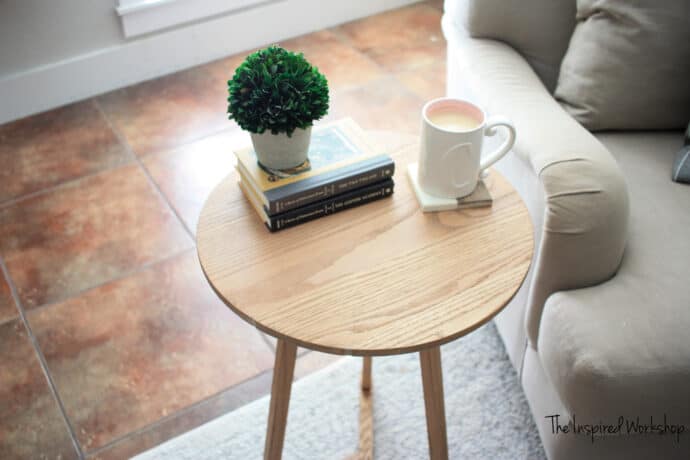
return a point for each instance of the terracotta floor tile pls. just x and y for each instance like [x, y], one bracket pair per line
[342, 65]
[86, 233]
[399, 39]
[171, 110]
[188, 174]
[223, 69]
[154, 354]
[381, 105]
[216, 406]
[427, 81]
[54, 147]
[31, 425]
[7, 307]
[183, 421]
[131, 352]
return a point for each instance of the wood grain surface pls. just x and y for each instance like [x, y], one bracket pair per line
[434, 404]
[283, 372]
[380, 279]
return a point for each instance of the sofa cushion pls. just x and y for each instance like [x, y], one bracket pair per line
[583, 222]
[628, 65]
[622, 347]
[539, 29]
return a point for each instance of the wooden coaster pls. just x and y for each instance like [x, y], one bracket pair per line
[479, 198]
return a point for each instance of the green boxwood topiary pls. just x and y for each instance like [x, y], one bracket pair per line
[277, 90]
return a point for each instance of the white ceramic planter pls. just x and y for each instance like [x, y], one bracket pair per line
[278, 151]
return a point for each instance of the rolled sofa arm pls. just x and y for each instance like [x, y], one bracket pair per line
[586, 207]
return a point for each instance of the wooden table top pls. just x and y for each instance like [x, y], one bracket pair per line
[383, 278]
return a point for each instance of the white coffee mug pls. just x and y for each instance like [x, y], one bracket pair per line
[450, 160]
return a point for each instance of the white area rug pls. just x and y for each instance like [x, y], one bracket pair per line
[486, 412]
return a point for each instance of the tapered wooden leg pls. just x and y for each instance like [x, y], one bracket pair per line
[366, 373]
[280, 399]
[365, 449]
[366, 414]
[432, 380]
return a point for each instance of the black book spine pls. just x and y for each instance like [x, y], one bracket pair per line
[335, 187]
[331, 205]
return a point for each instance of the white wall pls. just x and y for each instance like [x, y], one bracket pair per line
[36, 33]
[53, 52]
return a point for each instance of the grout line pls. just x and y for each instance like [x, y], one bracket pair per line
[42, 361]
[185, 142]
[345, 40]
[185, 410]
[71, 182]
[122, 276]
[386, 73]
[120, 137]
[66, 184]
[199, 404]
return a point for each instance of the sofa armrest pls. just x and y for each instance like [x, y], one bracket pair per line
[586, 206]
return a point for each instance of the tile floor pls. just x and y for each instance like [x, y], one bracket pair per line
[110, 339]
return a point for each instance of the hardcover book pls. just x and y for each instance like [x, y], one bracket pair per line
[321, 208]
[340, 159]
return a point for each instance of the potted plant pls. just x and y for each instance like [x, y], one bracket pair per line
[276, 95]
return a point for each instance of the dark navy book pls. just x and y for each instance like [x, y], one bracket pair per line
[331, 205]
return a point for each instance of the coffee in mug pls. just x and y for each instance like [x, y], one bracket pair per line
[453, 120]
[453, 131]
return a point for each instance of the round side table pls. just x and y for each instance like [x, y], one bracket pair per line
[380, 279]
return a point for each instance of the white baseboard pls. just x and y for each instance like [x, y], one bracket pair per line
[140, 17]
[77, 78]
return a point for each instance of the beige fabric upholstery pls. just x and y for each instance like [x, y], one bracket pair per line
[620, 345]
[518, 169]
[539, 29]
[544, 401]
[628, 337]
[628, 65]
[522, 177]
[586, 201]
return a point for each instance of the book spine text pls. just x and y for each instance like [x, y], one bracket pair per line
[336, 187]
[336, 204]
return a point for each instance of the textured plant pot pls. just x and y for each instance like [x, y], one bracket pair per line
[278, 151]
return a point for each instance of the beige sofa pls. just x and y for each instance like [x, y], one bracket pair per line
[600, 331]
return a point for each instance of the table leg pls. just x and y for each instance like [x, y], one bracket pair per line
[283, 371]
[366, 373]
[365, 449]
[432, 380]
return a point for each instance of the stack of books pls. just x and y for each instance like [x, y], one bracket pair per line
[343, 171]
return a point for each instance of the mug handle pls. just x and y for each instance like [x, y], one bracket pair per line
[490, 130]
